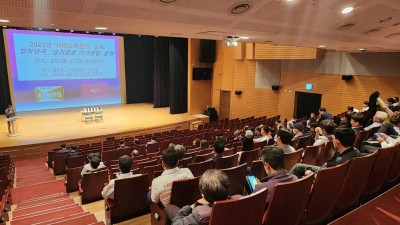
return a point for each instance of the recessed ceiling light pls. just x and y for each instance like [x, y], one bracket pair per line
[100, 32]
[57, 29]
[113, 33]
[244, 37]
[40, 28]
[321, 46]
[4, 26]
[72, 31]
[101, 28]
[361, 49]
[347, 10]
[4, 21]
[87, 32]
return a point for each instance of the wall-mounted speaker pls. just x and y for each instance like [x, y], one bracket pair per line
[207, 51]
[238, 92]
[347, 77]
[275, 87]
[202, 74]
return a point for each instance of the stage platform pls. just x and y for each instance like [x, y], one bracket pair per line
[38, 128]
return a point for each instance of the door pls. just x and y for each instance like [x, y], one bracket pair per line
[224, 104]
[305, 103]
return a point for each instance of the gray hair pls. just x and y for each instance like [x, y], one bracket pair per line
[236, 133]
[249, 134]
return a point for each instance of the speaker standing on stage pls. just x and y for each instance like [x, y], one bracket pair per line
[9, 113]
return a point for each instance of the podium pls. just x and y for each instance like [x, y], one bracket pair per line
[13, 126]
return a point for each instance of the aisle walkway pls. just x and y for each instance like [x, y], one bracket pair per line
[39, 198]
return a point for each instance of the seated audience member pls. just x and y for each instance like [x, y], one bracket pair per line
[152, 140]
[393, 105]
[285, 123]
[344, 120]
[237, 135]
[136, 141]
[181, 151]
[356, 122]
[386, 141]
[134, 153]
[283, 137]
[213, 185]
[278, 124]
[391, 128]
[219, 148]
[343, 142]
[298, 129]
[204, 144]
[63, 149]
[94, 163]
[196, 143]
[365, 104]
[290, 124]
[312, 119]
[324, 133]
[324, 115]
[125, 166]
[247, 141]
[310, 129]
[378, 120]
[257, 133]
[273, 159]
[72, 153]
[265, 132]
[161, 186]
[351, 110]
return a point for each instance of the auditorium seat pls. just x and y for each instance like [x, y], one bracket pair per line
[107, 156]
[248, 157]
[124, 151]
[288, 202]
[393, 176]
[126, 205]
[303, 142]
[192, 155]
[327, 153]
[257, 169]
[92, 185]
[76, 161]
[202, 158]
[50, 158]
[183, 192]
[324, 194]
[260, 144]
[360, 137]
[353, 184]
[142, 165]
[248, 210]
[227, 161]
[153, 147]
[378, 173]
[72, 178]
[236, 177]
[150, 170]
[185, 161]
[292, 158]
[59, 165]
[312, 154]
[140, 148]
[199, 168]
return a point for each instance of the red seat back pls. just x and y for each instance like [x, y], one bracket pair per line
[236, 177]
[247, 210]
[288, 202]
[248, 157]
[292, 158]
[198, 169]
[312, 154]
[227, 161]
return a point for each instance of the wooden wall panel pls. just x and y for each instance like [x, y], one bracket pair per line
[336, 93]
[268, 51]
[253, 101]
[199, 91]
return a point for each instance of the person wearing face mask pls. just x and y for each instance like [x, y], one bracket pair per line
[343, 141]
[273, 159]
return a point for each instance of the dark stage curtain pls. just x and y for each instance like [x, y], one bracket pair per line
[139, 68]
[178, 68]
[5, 98]
[161, 72]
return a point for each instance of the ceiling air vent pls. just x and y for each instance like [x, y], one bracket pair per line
[392, 35]
[374, 30]
[168, 1]
[240, 8]
[346, 26]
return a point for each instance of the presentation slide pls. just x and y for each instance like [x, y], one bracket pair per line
[52, 70]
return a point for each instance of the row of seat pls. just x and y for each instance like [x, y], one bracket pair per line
[7, 171]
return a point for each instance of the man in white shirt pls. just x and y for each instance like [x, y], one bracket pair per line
[94, 164]
[161, 186]
[378, 119]
[283, 138]
[125, 166]
[324, 133]
[265, 132]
